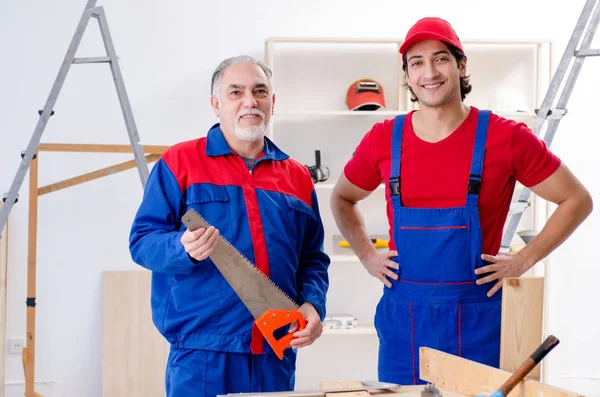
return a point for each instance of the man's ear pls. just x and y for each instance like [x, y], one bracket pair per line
[273, 107]
[214, 102]
[407, 80]
[463, 67]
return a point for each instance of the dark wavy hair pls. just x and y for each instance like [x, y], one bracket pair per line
[465, 86]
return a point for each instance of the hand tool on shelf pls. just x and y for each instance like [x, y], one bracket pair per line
[377, 243]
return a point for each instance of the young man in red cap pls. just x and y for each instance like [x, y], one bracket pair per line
[450, 171]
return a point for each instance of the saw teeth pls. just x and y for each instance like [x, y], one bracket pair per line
[431, 390]
[223, 240]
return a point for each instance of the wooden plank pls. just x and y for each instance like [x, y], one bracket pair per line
[29, 350]
[342, 385]
[3, 274]
[133, 351]
[113, 169]
[404, 391]
[94, 148]
[470, 378]
[522, 315]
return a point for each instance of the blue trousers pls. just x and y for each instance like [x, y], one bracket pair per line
[202, 373]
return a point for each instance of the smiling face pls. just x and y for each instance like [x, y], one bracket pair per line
[244, 102]
[433, 74]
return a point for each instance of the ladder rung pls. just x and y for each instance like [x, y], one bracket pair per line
[5, 197]
[97, 11]
[553, 114]
[588, 53]
[517, 207]
[92, 60]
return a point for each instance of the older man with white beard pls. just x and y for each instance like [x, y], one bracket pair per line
[261, 201]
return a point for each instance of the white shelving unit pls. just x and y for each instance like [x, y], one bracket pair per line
[390, 114]
[310, 78]
[360, 330]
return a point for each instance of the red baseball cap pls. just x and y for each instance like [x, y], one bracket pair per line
[430, 29]
[365, 94]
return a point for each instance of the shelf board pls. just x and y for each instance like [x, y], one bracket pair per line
[514, 114]
[359, 330]
[344, 258]
[333, 40]
[330, 186]
[383, 40]
[342, 113]
[387, 113]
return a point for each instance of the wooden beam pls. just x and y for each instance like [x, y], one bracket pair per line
[80, 147]
[93, 175]
[522, 316]
[3, 273]
[29, 350]
[470, 378]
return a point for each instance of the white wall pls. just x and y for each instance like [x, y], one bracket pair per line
[167, 54]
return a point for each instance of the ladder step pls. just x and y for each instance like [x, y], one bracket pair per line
[588, 53]
[518, 207]
[553, 113]
[92, 60]
[5, 197]
[23, 154]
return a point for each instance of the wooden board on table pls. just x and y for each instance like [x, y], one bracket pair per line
[403, 391]
[470, 378]
[133, 351]
[342, 385]
[522, 316]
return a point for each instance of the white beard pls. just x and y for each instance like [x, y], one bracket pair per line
[250, 134]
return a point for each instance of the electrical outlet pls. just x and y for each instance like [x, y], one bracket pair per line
[16, 345]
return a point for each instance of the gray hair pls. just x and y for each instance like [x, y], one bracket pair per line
[240, 59]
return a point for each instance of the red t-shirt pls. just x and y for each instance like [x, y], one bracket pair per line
[436, 175]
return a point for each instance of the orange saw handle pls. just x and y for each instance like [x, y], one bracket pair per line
[272, 320]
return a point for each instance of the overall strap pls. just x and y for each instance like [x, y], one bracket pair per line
[394, 182]
[477, 161]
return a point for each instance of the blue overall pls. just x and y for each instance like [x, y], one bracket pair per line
[194, 372]
[436, 302]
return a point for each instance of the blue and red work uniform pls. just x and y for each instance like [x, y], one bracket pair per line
[269, 212]
[446, 203]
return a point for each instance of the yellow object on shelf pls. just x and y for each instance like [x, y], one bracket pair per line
[377, 243]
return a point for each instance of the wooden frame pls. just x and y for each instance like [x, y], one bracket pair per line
[3, 283]
[153, 153]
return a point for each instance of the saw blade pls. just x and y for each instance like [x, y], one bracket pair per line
[255, 290]
[431, 390]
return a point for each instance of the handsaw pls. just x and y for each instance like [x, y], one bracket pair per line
[268, 304]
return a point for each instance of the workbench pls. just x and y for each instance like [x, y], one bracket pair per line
[454, 376]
